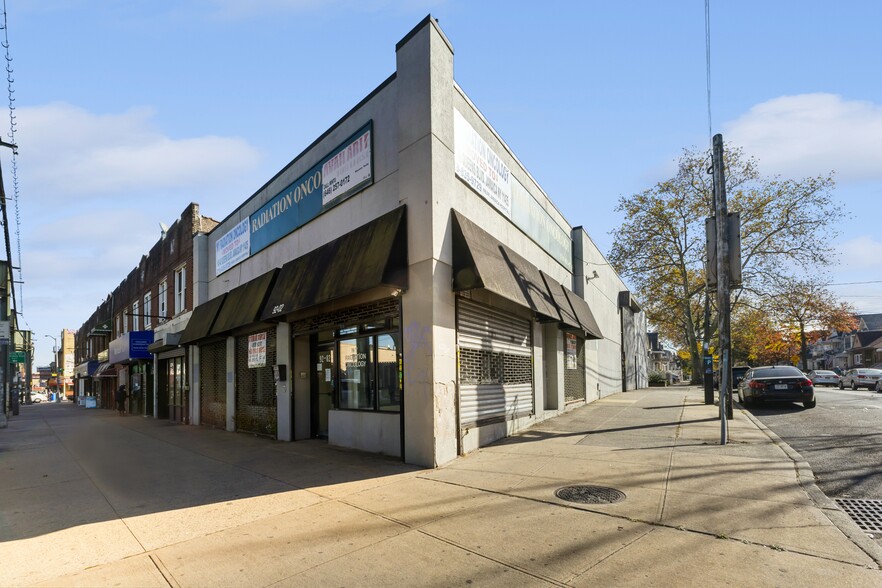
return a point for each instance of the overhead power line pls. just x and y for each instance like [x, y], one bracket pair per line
[856, 283]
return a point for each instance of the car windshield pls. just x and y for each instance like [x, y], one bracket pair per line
[869, 372]
[824, 373]
[781, 371]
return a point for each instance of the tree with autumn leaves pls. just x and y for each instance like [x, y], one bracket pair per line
[785, 227]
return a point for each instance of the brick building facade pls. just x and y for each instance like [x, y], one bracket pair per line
[156, 293]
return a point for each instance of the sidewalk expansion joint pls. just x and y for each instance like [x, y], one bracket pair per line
[166, 574]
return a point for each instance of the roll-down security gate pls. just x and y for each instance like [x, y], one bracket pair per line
[495, 364]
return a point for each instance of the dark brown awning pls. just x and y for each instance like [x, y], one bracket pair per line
[584, 314]
[568, 316]
[372, 255]
[481, 261]
[201, 320]
[244, 304]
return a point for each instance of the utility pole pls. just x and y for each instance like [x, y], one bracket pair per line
[708, 360]
[721, 218]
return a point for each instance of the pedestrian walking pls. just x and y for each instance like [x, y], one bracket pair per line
[121, 400]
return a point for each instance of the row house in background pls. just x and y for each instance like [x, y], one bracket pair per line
[131, 337]
[861, 348]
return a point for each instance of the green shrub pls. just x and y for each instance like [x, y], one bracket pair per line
[657, 378]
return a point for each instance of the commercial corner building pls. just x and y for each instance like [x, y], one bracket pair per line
[404, 286]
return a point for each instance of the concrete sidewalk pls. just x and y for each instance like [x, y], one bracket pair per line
[88, 498]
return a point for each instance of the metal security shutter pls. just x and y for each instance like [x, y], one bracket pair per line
[255, 389]
[574, 372]
[495, 364]
[213, 384]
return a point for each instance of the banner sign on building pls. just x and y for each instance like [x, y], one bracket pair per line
[348, 168]
[485, 172]
[257, 350]
[344, 171]
[233, 247]
[479, 166]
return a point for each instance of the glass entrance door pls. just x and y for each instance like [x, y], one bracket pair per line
[323, 391]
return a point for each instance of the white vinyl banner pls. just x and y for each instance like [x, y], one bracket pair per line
[347, 169]
[233, 247]
[479, 166]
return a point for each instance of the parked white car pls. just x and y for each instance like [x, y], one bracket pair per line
[37, 397]
[860, 378]
[824, 378]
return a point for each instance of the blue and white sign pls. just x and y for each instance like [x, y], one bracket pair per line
[343, 172]
[233, 247]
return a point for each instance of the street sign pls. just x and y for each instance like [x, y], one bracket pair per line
[17, 357]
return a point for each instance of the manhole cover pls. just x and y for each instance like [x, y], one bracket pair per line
[590, 494]
[866, 513]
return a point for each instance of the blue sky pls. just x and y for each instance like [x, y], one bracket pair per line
[128, 110]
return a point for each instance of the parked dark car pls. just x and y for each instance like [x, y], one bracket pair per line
[737, 374]
[776, 382]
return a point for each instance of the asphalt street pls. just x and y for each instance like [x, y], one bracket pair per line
[841, 438]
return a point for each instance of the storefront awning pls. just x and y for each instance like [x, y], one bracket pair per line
[105, 370]
[130, 346]
[201, 320]
[481, 261]
[568, 316]
[244, 304]
[584, 314]
[372, 255]
[165, 342]
[86, 369]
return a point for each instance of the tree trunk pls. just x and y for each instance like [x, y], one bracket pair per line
[803, 347]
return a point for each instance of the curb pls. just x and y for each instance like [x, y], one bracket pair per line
[828, 506]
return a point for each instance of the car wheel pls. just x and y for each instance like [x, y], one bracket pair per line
[841, 387]
[853, 385]
[810, 403]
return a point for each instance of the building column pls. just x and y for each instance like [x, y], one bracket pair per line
[231, 383]
[424, 80]
[284, 426]
[193, 387]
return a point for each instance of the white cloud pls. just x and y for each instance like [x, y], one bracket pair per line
[861, 253]
[67, 150]
[812, 134]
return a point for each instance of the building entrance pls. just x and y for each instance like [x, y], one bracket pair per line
[323, 388]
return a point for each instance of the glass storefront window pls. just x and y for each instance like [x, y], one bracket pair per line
[388, 384]
[356, 373]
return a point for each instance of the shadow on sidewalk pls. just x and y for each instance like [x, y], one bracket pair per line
[64, 466]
